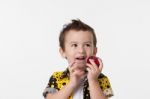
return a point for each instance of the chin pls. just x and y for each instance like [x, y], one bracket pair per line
[82, 65]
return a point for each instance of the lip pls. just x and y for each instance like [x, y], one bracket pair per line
[80, 59]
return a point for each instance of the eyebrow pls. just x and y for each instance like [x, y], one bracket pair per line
[88, 42]
[72, 42]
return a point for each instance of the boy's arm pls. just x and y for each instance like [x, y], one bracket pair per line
[95, 90]
[64, 93]
[94, 86]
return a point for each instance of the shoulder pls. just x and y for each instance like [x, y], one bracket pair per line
[60, 75]
[57, 74]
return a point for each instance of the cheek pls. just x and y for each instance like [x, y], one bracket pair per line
[70, 57]
[89, 51]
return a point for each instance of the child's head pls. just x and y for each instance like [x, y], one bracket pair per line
[76, 25]
[77, 41]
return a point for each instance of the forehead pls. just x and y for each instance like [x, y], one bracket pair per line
[79, 36]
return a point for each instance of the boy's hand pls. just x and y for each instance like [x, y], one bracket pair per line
[94, 70]
[76, 75]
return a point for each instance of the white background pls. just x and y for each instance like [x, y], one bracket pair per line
[29, 31]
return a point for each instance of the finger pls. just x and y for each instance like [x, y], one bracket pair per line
[94, 66]
[79, 73]
[70, 67]
[88, 69]
[71, 64]
[101, 63]
[75, 67]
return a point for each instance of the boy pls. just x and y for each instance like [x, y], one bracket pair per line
[80, 80]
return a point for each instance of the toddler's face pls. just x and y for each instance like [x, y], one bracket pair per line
[78, 47]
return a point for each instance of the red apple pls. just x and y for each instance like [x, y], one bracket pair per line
[95, 60]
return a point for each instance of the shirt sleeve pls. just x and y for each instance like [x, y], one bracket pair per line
[105, 85]
[51, 86]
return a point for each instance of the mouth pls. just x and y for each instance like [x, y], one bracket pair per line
[82, 58]
[81, 61]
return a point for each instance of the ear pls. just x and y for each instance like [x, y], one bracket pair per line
[95, 51]
[61, 51]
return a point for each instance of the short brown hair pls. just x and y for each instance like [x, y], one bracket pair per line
[75, 25]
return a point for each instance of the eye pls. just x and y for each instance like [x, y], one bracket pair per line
[87, 45]
[74, 45]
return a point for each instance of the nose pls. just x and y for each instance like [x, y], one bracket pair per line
[81, 49]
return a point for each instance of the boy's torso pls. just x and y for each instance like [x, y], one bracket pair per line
[59, 79]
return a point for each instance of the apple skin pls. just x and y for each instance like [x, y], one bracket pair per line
[95, 60]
